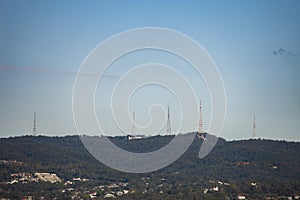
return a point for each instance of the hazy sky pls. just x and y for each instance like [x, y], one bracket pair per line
[255, 44]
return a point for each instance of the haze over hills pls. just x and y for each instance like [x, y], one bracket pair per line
[255, 169]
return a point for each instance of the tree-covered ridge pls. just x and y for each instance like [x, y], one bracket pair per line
[255, 168]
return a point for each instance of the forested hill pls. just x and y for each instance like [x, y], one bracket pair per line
[274, 165]
[236, 160]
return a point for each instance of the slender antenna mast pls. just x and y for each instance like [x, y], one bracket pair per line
[169, 122]
[200, 132]
[133, 131]
[254, 129]
[200, 123]
[34, 130]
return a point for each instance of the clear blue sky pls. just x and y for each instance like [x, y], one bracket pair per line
[255, 44]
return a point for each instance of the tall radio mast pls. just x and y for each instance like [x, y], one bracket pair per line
[169, 122]
[133, 131]
[34, 130]
[254, 129]
[200, 132]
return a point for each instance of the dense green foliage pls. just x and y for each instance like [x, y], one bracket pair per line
[272, 165]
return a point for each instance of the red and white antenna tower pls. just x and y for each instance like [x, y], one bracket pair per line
[200, 132]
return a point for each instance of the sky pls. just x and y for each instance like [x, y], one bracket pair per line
[255, 45]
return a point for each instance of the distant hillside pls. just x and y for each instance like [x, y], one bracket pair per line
[272, 165]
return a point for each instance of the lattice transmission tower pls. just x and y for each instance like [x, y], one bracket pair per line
[34, 129]
[133, 130]
[169, 131]
[200, 132]
[254, 129]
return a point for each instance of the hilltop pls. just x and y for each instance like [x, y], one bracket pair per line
[255, 169]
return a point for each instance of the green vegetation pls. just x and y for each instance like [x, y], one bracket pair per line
[254, 168]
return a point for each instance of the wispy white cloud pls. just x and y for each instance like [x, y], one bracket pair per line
[52, 71]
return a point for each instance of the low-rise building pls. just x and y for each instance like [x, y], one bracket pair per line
[47, 177]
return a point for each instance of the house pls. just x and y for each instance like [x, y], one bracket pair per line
[253, 183]
[215, 189]
[135, 137]
[68, 183]
[108, 195]
[241, 197]
[47, 177]
[93, 195]
[125, 191]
